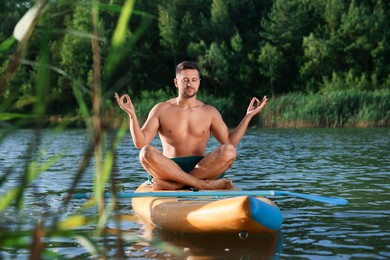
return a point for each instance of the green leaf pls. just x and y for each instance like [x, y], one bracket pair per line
[9, 197]
[7, 44]
[11, 116]
[88, 244]
[72, 222]
[119, 36]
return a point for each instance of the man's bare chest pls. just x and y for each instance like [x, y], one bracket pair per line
[185, 123]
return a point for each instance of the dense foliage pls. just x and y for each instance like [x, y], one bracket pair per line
[245, 47]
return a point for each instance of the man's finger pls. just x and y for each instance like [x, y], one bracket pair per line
[253, 101]
[122, 99]
[117, 97]
[257, 102]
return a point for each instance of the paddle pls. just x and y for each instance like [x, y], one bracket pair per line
[219, 193]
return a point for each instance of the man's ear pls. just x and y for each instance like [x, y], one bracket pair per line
[175, 81]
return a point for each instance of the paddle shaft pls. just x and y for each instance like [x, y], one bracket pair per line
[235, 193]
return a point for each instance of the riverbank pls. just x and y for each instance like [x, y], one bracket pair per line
[332, 109]
[341, 108]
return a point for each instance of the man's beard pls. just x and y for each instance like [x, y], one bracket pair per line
[187, 95]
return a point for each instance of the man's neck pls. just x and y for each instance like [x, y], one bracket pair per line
[187, 102]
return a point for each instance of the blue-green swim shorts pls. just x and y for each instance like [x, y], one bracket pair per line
[186, 164]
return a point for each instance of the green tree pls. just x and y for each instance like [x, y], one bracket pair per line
[347, 42]
[284, 28]
[220, 20]
[168, 28]
[270, 64]
[246, 48]
[381, 49]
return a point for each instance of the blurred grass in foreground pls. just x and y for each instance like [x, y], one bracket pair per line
[36, 242]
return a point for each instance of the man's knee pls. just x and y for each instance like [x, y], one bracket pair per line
[228, 152]
[147, 153]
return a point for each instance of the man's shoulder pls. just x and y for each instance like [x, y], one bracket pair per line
[210, 108]
[163, 104]
[158, 109]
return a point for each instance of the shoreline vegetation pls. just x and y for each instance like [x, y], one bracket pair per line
[340, 108]
[325, 64]
[331, 109]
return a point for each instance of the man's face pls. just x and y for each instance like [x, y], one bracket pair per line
[187, 82]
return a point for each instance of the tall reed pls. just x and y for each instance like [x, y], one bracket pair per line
[335, 108]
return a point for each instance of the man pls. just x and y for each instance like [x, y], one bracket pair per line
[184, 125]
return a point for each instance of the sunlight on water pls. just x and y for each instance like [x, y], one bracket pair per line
[349, 163]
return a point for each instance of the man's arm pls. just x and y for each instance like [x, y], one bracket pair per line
[221, 132]
[141, 136]
[254, 108]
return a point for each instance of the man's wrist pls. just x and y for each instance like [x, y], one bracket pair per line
[248, 116]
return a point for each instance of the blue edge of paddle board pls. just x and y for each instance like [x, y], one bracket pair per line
[266, 215]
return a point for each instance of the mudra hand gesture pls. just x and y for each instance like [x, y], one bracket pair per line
[125, 103]
[256, 106]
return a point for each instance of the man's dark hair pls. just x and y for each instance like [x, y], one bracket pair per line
[187, 65]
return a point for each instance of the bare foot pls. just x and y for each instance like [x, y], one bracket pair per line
[218, 184]
[159, 184]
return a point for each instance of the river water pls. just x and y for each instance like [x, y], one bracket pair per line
[349, 163]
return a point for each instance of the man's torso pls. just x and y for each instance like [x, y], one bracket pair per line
[184, 131]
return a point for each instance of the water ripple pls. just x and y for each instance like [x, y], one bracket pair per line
[349, 163]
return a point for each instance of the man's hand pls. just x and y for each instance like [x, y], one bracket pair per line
[256, 106]
[125, 103]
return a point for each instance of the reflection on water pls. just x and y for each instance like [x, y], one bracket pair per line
[225, 246]
[349, 163]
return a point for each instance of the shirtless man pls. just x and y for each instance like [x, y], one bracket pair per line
[184, 125]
